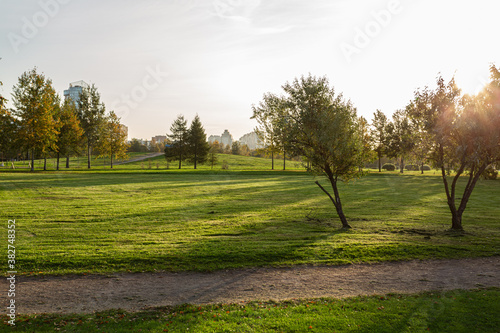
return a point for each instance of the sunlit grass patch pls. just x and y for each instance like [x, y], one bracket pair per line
[452, 311]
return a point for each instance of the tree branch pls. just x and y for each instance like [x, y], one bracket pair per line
[329, 195]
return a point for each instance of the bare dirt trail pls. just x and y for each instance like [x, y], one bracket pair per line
[134, 292]
[140, 158]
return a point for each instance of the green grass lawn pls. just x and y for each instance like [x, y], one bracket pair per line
[135, 219]
[76, 163]
[234, 162]
[453, 311]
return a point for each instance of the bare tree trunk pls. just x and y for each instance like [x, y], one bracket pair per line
[379, 162]
[401, 166]
[195, 156]
[57, 168]
[111, 157]
[32, 160]
[422, 167]
[284, 159]
[474, 174]
[88, 155]
[44, 163]
[67, 161]
[336, 202]
[272, 159]
[456, 221]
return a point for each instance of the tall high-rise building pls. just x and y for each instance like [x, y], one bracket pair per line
[227, 138]
[74, 91]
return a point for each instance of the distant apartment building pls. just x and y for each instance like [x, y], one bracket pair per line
[213, 138]
[251, 140]
[158, 139]
[74, 91]
[226, 138]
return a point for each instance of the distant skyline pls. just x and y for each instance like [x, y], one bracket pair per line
[152, 60]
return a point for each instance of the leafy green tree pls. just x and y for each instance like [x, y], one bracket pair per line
[236, 148]
[422, 140]
[379, 135]
[91, 113]
[113, 139]
[8, 132]
[267, 114]
[244, 150]
[324, 128]
[464, 133]
[400, 137]
[157, 147]
[136, 146]
[198, 146]
[212, 153]
[70, 131]
[178, 149]
[367, 153]
[36, 102]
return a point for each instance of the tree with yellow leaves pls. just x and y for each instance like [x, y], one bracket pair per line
[113, 138]
[36, 102]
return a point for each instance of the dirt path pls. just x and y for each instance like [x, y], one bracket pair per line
[136, 159]
[133, 292]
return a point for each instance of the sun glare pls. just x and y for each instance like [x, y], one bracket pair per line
[472, 81]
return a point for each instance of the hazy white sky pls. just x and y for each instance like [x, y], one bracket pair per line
[152, 60]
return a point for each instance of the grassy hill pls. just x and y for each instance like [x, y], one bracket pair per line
[233, 162]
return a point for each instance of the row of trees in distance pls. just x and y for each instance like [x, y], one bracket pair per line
[187, 143]
[190, 144]
[440, 126]
[40, 124]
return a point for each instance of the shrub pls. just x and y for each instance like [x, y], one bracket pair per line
[425, 167]
[389, 167]
[490, 173]
[411, 167]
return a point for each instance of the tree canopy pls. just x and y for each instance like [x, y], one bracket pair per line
[113, 139]
[91, 113]
[322, 127]
[70, 131]
[379, 135]
[198, 146]
[36, 101]
[269, 114]
[464, 134]
[178, 148]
